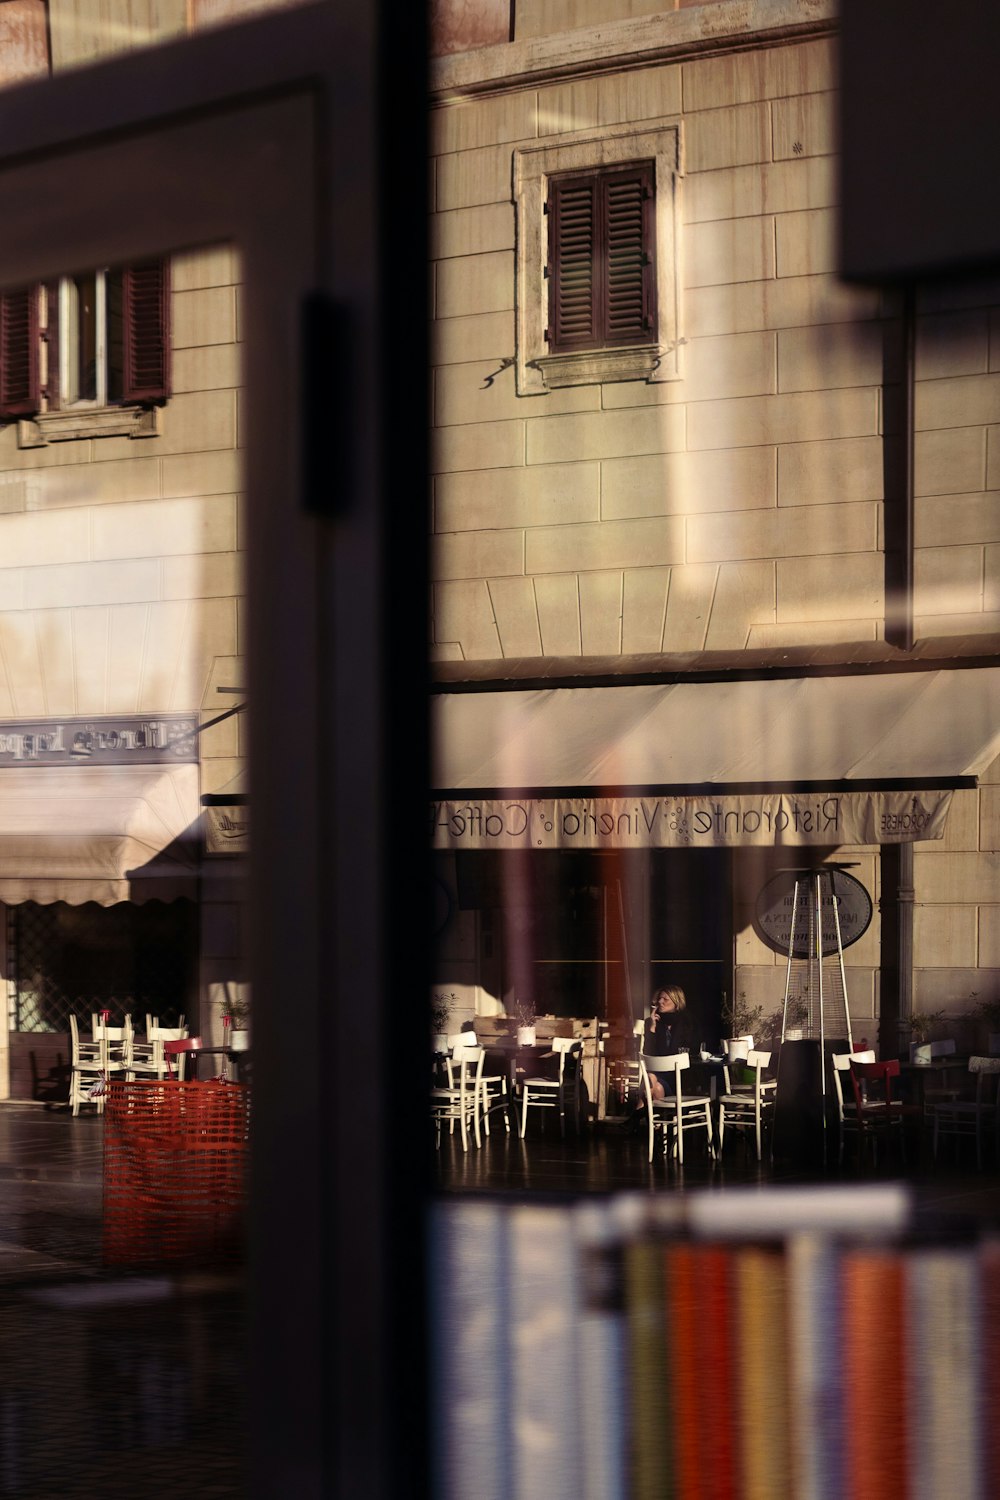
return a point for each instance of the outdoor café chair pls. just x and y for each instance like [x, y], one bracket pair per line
[848, 1121]
[746, 1109]
[494, 1088]
[120, 1041]
[148, 1055]
[94, 1059]
[674, 1114]
[144, 1048]
[561, 1093]
[88, 1069]
[937, 1086]
[966, 1117]
[176, 1052]
[460, 1099]
[877, 1112]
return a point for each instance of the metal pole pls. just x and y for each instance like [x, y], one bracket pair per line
[822, 1028]
[791, 950]
[843, 975]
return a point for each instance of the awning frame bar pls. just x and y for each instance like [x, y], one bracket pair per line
[709, 789]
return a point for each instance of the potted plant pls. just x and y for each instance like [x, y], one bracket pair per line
[441, 1004]
[524, 1017]
[925, 1026]
[236, 1017]
[739, 1019]
[987, 1016]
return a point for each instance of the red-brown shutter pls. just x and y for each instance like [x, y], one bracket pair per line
[19, 392]
[146, 312]
[52, 340]
[602, 287]
[573, 267]
[628, 284]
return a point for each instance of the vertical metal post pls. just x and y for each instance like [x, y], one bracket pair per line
[904, 939]
[791, 951]
[818, 878]
[843, 973]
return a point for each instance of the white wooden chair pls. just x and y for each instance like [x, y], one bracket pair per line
[144, 1049]
[494, 1090]
[460, 1100]
[96, 1059]
[561, 1093]
[966, 1117]
[120, 1040]
[148, 1056]
[674, 1114]
[746, 1109]
[848, 1120]
[88, 1069]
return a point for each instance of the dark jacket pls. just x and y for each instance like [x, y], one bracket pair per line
[665, 1035]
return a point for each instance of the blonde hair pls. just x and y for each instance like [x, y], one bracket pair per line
[670, 992]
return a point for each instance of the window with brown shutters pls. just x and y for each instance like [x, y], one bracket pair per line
[100, 340]
[601, 264]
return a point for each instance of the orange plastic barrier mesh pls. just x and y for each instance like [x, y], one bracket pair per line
[175, 1159]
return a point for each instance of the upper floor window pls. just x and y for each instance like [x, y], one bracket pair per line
[597, 285]
[86, 355]
[602, 259]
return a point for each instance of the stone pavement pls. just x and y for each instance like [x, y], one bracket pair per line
[50, 1192]
[110, 1385]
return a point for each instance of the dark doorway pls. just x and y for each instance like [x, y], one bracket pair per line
[74, 960]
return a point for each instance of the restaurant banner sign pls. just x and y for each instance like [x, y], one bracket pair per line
[747, 820]
[136, 739]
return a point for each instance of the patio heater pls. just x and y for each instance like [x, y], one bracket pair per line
[815, 981]
[809, 908]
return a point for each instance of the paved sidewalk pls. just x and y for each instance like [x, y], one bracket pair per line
[44, 1143]
[50, 1192]
[112, 1385]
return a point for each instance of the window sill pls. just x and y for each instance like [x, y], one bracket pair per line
[594, 366]
[97, 422]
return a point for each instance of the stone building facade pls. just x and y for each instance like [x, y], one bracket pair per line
[121, 607]
[728, 510]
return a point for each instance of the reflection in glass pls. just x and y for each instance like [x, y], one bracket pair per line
[121, 620]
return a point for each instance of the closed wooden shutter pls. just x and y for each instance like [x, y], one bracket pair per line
[602, 284]
[147, 332]
[51, 337]
[19, 390]
[573, 221]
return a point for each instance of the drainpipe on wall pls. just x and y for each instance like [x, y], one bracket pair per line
[904, 948]
[898, 464]
[898, 426]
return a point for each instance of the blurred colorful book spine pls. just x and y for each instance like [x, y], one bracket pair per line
[582, 1354]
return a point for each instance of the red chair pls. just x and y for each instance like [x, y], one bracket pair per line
[876, 1111]
[177, 1051]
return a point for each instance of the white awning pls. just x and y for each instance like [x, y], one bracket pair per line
[98, 833]
[866, 758]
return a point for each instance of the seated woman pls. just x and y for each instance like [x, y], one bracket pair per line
[665, 1031]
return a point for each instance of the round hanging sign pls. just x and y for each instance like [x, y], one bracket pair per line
[842, 899]
[442, 904]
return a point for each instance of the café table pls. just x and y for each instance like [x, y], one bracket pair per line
[237, 1060]
[515, 1059]
[916, 1076]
